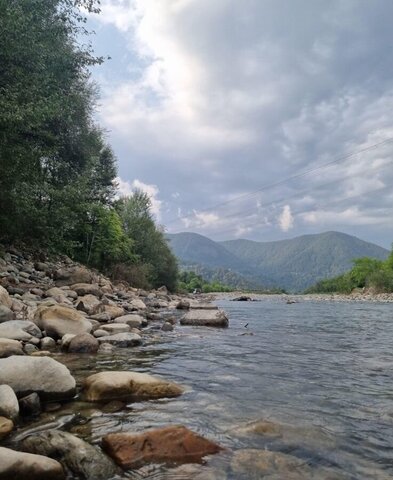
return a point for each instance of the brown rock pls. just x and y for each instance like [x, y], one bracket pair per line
[58, 320]
[128, 385]
[83, 343]
[169, 445]
[87, 289]
[10, 347]
[88, 303]
[72, 275]
[6, 427]
[5, 298]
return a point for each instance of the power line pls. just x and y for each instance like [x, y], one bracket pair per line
[284, 180]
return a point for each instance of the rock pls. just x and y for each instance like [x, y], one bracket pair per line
[29, 348]
[54, 292]
[41, 266]
[100, 333]
[58, 320]
[83, 343]
[203, 306]
[37, 291]
[87, 289]
[30, 404]
[206, 318]
[168, 445]
[137, 304]
[48, 343]
[105, 349]
[72, 275]
[25, 325]
[163, 290]
[44, 375]
[77, 456]
[14, 331]
[6, 427]
[123, 340]
[183, 305]
[167, 327]
[66, 340]
[242, 298]
[6, 314]
[113, 328]
[5, 298]
[128, 385]
[9, 406]
[132, 320]
[19, 466]
[10, 347]
[112, 311]
[88, 303]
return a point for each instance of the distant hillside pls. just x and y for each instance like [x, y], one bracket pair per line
[293, 264]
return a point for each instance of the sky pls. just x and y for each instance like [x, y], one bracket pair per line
[259, 119]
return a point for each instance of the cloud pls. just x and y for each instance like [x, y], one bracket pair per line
[285, 220]
[126, 188]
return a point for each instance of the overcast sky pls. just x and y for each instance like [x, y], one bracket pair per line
[224, 110]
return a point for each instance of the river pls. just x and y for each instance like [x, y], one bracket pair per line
[322, 372]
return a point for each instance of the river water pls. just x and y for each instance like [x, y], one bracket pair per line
[321, 371]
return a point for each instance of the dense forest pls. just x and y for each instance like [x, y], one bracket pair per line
[366, 273]
[57, 180]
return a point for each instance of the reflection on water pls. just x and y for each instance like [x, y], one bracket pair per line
[319, 375]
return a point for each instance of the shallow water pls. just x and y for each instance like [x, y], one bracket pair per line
[323, 371]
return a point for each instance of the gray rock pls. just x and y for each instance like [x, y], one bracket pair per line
[25, 325]
[44, 375]
[48, 343]
[10, 347]
[87, 289]
[29, 348]
[113, 328]
[183, 305]
[77, 456]
[6, 314]
[9, 406]
[19, 465]
[100, 333]
[205, 318]
[167, 327]
[83, 343]
[88, 304]
[122, 339]
[5, 298]
[132, 320]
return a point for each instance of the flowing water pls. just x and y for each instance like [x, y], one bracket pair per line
[322, 372]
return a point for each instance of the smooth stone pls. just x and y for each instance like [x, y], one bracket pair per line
[18, 330]
[83, 343]
[58, 320]
[44, 375]
[132, 320]
[169, 445]
[27, 326]
[128, 385]
[77, 456]
[6, 314]
[113, 328]
[122, 339]
[9, 405]
[100, 333]
[6, 427]
[48, 343]
[29, 348]
[10, 347]
[20, 466]
[5, 298]
[30, 405]
[54, 292]
[205, 318]
[137, 304]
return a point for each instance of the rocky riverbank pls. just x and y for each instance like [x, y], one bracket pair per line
[52, 307]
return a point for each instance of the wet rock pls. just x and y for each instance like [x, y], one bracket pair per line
[58, 320]
[183, 305]
[6, 314]
[206, 318]
[6, 427]
[10, 347]
[5, 298]
[44, 375]
[113, 406]
[167, 327]
[9, 406]
[105, 348]
[88, 304]
[83, 343]
[132, 320]
[48, 343]
[122, 340]
[87, 289]
[77, 456]
[30, 405]
[18, 465]
[128, 385]
[113, 328]
[168, 445]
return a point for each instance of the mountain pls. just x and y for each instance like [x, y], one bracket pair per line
[293, 264]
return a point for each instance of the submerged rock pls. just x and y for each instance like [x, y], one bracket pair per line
[128, 385]
[205, 318]
[58, 320]
[44, 375]
[19, 465]
[77, 456]
[169, 445]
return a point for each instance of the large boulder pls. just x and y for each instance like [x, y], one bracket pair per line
[9, 406]
[169, 445]
[44, 375]
[132, 320]
[83, 343]
[10, 347]
[79, 458]
[72, 275]
[87, 289]
[122, 340]
[19, 465]
[205, 318]
[128, 385]
[5, 298]
[57, 320]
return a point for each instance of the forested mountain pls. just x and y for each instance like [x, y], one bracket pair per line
[293, 264]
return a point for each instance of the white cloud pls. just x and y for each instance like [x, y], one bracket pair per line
[126, 189]
[285, 220]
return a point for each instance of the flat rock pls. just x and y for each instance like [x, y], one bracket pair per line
[132, 320]
[10, 347]
[113, 328]
[122, 340]
[205, 318]
[128, 385]
[78, 457]
[169, 445]
[19, 466]
[44, 375]
[57, 320]
[203, 306]
[9, 405]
